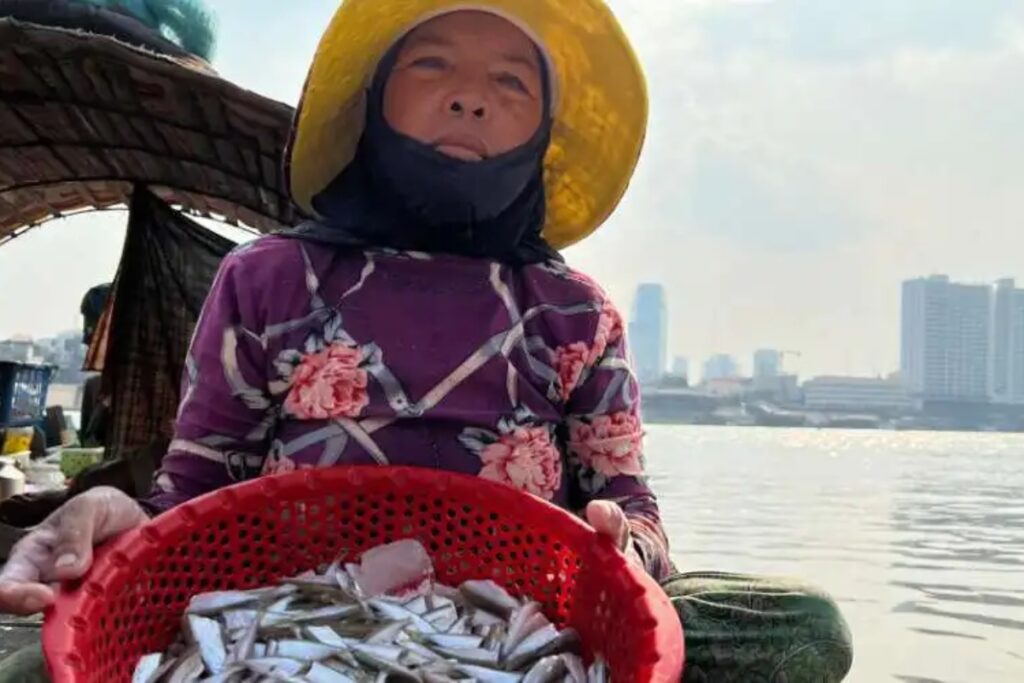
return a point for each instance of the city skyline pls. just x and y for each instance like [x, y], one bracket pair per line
[980, 326]
[958, 341]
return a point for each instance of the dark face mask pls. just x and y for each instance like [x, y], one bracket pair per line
[403, 194]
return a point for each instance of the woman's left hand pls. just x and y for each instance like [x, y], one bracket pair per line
[609, 520]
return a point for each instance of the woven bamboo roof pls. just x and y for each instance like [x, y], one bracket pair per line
[84, 117]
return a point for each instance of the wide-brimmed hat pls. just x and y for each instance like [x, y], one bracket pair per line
[600, 112]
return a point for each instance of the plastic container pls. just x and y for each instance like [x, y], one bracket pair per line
[12, 479]
[74, 460]
[23, 459]
[254, 533]
[23, 390]
[17, 440]
[45, 476]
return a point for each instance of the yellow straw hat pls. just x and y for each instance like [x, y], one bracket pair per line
[600, 112]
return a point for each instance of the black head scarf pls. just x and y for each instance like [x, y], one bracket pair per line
[400, 193]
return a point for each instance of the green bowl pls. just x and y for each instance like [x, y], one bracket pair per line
[74, 460]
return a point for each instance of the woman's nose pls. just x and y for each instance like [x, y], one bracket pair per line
[468, 104]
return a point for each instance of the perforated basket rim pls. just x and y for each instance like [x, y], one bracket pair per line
[63, 623]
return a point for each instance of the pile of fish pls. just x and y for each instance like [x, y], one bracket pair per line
[381, 621]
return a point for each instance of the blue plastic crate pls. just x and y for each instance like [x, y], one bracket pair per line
[23, 390]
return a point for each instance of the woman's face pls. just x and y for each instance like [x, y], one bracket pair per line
[468, 84]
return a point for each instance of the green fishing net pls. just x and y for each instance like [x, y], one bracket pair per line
[188, 23]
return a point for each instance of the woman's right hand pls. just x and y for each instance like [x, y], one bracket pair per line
[60, 549]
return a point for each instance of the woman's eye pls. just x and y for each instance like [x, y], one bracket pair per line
[429, 63]
[514, 82]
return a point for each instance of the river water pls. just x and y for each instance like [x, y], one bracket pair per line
[919, 536]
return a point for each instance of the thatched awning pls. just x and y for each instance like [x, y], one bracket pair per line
[83, 117]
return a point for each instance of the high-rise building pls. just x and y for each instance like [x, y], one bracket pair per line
[1006, 361]
[648, 332]
[767, 363]
[945, 346]
[720, 366]
[681, 367]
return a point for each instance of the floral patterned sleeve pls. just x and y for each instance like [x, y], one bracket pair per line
[221, 431]
[605, 436]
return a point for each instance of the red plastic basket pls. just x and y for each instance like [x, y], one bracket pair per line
[256, 532]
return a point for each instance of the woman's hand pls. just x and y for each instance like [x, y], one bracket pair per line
[609, 520]
[60, 549]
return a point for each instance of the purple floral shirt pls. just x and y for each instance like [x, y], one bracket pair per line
[310, 356]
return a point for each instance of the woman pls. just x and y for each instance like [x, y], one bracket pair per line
[427, 319]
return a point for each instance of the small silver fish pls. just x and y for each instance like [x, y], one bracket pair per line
[206, 604]
[225, 676]
[546, 641]
[243, 648]
[347, 584]
[449, 592]
[576, 670]
[321, 628]
[208, 636]
[397, 612]
[277, 613]
[547, 670]
[239, 619]
[526, 621]
[598, 672]
[494, 638]
[476, 656]
[326, 635]
[368, 654]
[454, 642]
[421, 651]
[386, 635]
[418, 605]
[330, 613]
[272, 666]
[490, 596]
[304, 651]
[442, 618]
[481, 618]
[168, 665]
[461, 627]
[146, 669]
[189, 668]
[429, 677]
[385, 653]
[485, 675]
[319, 673]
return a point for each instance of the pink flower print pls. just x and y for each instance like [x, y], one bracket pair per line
[328, 384]
[570, 362]
[526, 459]
[609, 331]
[609, 444]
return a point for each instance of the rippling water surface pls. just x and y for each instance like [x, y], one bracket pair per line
[919, 536]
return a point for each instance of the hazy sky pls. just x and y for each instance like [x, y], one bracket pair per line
[804, 157]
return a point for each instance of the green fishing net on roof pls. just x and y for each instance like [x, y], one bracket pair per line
[187, 23]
